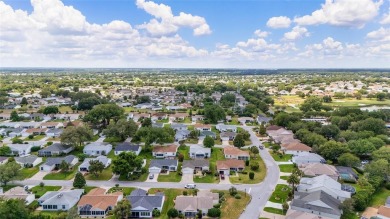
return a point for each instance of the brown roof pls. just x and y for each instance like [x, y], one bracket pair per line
[273, 128]
[198, 125]
[178, 115]
[97, 199]
[227, 164]
[170, 148]
[36, 130]
[230, 150]
[384, 211]
[50, 123]
[296, 146]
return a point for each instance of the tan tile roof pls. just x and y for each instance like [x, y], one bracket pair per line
[171, 148]
[227, 164]
[97, 199]
[36, 130]
[50, 123]
[273, 128]
[296, 146]
[178, 115]
[315, 169]
[384, 211]
[230, 150]
[198, 125]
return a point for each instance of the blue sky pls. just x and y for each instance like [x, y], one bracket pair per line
[195, 33]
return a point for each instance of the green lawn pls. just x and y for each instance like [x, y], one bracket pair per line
[191, 141]
[88, 188]
[171, 177]
[170, 195]
[285, 157]
[186, 120]
[216, 154]
[163, 121]
[286, 168]
[190, 128]
[64, 109]
[185, 150]
[35, 138]
[28, 172]
[40, 191]
[126, 190]
[105, 175]
[274, 210]
[62, 175]
[95, 138]
[379, 197]
[112, 139]
[259, 174]
[280, 194]
[284, 177]
[111, 154]
[232, 207]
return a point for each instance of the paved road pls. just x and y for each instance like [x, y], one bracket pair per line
[260, 192]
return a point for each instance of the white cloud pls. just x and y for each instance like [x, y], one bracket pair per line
[165, 23]
[296, 33]
[261, 34]
[350, 13]
[279, 22]
[382, 34]
[386, 18]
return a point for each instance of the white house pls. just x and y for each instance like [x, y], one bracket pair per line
[164, 151]
[199, 152]
[54, 162]
[127, 147]
[18, 193]
[20, 149]
[307, 157]
[97, 148]
[226, 128]
[85, 165]
[28, 161]
[60, 200]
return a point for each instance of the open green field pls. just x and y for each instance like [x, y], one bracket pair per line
[284, 157]
[35, 138]
[274, 210]
[379, 197]
[232, 207]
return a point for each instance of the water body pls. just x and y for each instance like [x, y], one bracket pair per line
[374, 108]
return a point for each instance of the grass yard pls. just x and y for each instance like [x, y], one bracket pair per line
[259, 174]
[170, 195]
[190, 128]
[105, 175]
[186, 120]
[112, 139]
[62, 175]
[232, 207]
[126, 190]
[28, 172]
[285, 157]
[171, 177]
[280, 194]
[111, 155]
[379, 197]
[274, 210]
[286, 168]
[8, 187]
[35, 138]
[185, 150]
[88, 188]
[163, 121]
[64, 109]
[352, 102]
[284, 177]
[216, 154]
[40, 191]
[191, 141]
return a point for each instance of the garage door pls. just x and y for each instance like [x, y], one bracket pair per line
[187, 171]
[154, 170]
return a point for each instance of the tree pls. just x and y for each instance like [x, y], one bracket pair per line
[121, 129]
[214, 212]
[95, 167]
[293, 180]
[233, 191]
[76, 136]
[156, 213]
[103, 114]
[214, 113]
[8, 172]
[382, 153]
[312, 103]
[13, 208]
[79, 181]
[73, 213]
[349, 160]
[5, 151]
[285, 206]
[14, 116]
[254, 166]
[255, 150]
[327, 99]
[147, 122]
[208, 142]
[64, 166]
[347, 206]
[262, 129]
[380, 96]
[378, 168]
[251, 175]
[332, 150]
[172, 213]
[24, 101]
[126, 164]
[50, 110]
[329, 131]
[377, 126]
[122, 209]
[239, 141]
[361, 147]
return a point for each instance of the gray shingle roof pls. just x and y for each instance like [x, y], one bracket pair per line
[195, 163]
[57, 160]
[138, 198]
[125, 146]
[163, 162]
[317, 201]
[27, 159]
[61, 197]
[56, 147]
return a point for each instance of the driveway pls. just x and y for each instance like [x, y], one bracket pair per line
[187, 178]
[39, 175]
[225, 142]
[225, 181]
[154, 178]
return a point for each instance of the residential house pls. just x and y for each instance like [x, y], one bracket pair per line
[97, 148]
[182, 135]
[97, 203]
[323, 183]
[178, 116]
[158, 165]
[190, 166]
[263, 119]
[202, 127]
[164, 151]
[317, 169]
[159, 116]
[18, 193]
[54, 162]
[178, 126]
[383, 212]
[54, 133]
[3, 160]
[20, 149]
[52, 125]
[231, 152]
[85, 165]
[228, 136]
[15, 132]
[157, 125]
[34, 131]
[208, 133]
[127, 147]
[295, 148]
[225, 166]
[197, 152]
[190, 205]
[244, 120]
[197, 118]
[306, 157]
[293, 214]
[347, 174]
[28, 161]
[226, 128]
[318, 203]
[143, 204]
[55, 150]
[60, 200]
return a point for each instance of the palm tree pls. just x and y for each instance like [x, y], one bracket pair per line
[293, 180]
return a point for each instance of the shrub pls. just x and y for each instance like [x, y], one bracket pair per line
[49, 143]
[214, 212]
[247, 163]
[34, 205]
[251, 175]
[156, 213]
[237, 196]
[232, 191]
[255, 166]
[244, 172]
[217, 206]
[172, 213]
[30, 136]
[387, 185]
[180, 157]
[35, 149]
[185, 193]
[221, 194]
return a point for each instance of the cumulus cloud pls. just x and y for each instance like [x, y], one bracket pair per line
[382, 34]
[261, 34]
[165, 23]
[386, 19]
[296, 33]
[349, 13]
[279, 22]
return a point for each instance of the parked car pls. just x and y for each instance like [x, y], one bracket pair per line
[222, 176]
[190, 186]
[261, 147]
[151, 176]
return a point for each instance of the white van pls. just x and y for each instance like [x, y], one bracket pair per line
[190, 186]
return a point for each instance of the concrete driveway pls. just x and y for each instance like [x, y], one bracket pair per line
[39, 175]
[187, 178]
[154, 178]
[225, 142]
[225, 181]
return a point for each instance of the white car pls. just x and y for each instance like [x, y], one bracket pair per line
[190, 186]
